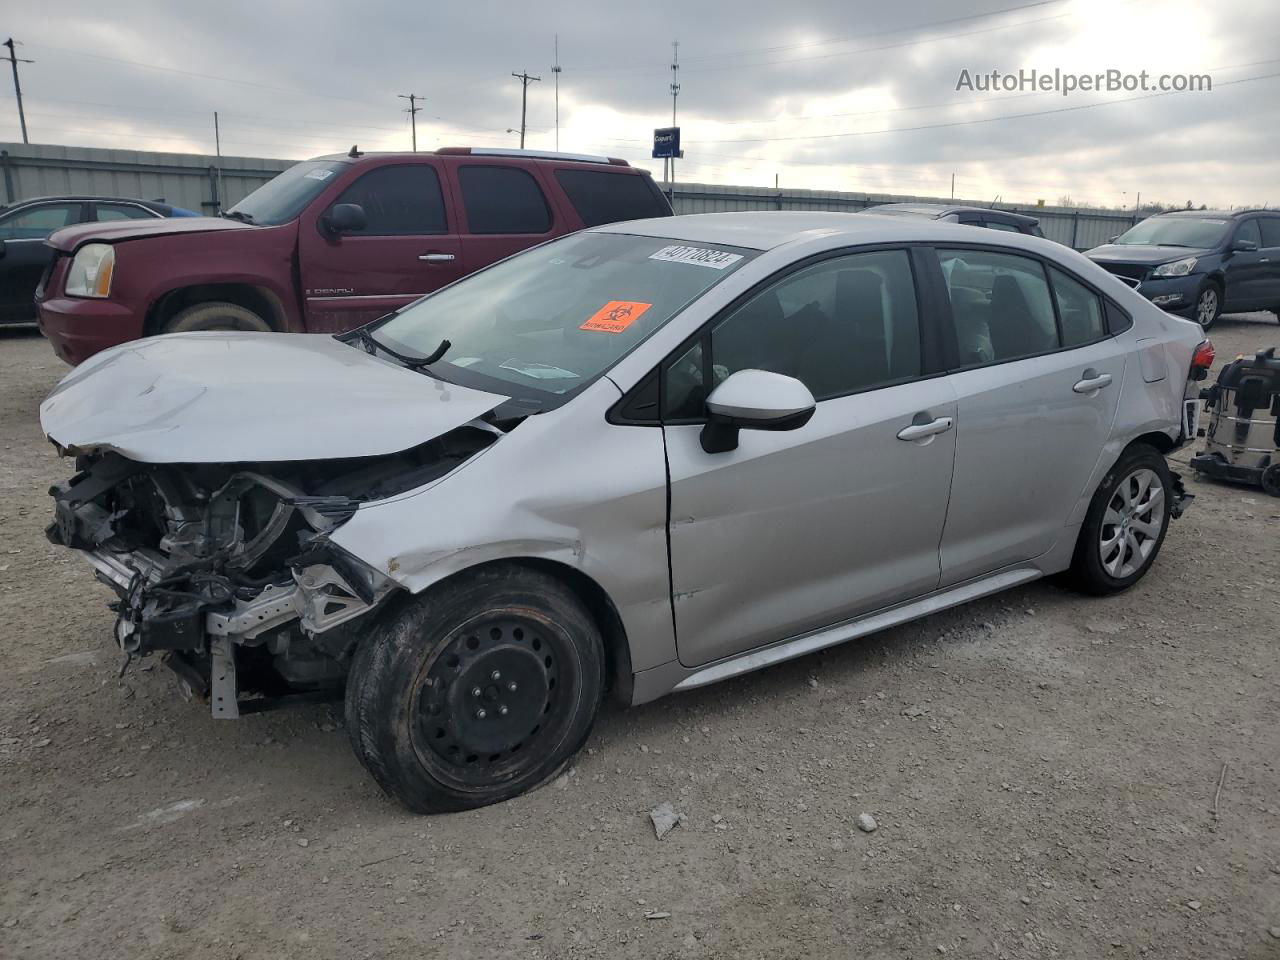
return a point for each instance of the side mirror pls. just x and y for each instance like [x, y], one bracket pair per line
[754, 400]
[344, 218]
[1245, 246]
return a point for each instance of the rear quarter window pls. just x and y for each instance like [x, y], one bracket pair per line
[602, 197]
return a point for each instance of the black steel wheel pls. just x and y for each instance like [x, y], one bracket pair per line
[477, 690]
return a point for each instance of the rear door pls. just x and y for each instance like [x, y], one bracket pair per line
[25, 256]
[1037, 388]
[798, 530]
[504, 209]
[408, 248]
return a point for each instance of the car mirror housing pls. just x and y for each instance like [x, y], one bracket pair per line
[345, 218]
[754, 400]
[1245, 246]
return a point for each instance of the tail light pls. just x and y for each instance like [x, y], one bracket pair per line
[1202, 360]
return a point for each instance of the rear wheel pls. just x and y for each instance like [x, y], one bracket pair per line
[216, 315]
[477, 691]
[1126, 523]
[1208, 304]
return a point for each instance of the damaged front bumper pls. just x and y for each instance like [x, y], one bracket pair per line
[236, 585]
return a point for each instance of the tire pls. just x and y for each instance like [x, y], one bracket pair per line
[1118, 542]
[216, 315]
[1208, 306]
[1270, 480]
[476, 691]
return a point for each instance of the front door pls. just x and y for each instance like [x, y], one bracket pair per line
[794, 531]
[409, 247]
[1037, 393]
[1247, 271]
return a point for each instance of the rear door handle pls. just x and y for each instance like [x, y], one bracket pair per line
[437, 257]
[923, 431]
[1092, 381]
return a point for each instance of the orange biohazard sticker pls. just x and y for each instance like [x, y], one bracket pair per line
[615, 316]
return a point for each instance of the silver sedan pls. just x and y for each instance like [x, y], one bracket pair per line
[634, 460]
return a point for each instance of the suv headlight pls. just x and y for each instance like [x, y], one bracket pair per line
[91, 271]
[1179, 268]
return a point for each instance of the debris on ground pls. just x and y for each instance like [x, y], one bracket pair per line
[867, 823]
[665, 819]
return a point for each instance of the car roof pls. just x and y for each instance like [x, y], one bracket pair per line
[944, 209]
[1216, 214]
[766, 229]
[507, 153]
[82, 198]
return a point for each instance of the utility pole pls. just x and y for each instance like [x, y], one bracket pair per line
[525, 80]
[14, 60]
[953, 186]
[675, 92]
[556, 71]
[412, 110]
[217, 149]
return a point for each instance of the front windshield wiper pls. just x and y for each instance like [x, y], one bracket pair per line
[239, 215]
[372, 344]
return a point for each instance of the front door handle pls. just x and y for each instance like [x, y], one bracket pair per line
[1092, 381]
[438, 257]
[923, 431]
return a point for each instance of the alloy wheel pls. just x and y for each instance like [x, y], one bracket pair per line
[1207, 307]
[1132, 524]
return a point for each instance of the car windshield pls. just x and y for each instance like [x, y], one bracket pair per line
[280, 200]
[543, 324]
[1176, 232]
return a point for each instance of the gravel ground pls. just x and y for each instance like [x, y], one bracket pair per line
[1042, 768]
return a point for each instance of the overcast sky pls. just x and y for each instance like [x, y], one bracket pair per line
[819, 93]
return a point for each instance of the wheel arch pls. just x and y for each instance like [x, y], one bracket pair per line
[619, 674]
[260, 299]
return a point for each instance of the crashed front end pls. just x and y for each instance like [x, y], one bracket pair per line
[228, 571]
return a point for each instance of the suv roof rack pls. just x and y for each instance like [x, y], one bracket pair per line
[530, 154]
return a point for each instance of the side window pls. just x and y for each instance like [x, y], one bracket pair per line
[121, 211]
[609, 197]
[840, 326]
[1270, 231]
[399, 201]
[1079, 310]
[38, 222]
[1000, 304]
[503, 200]
[1249, 231]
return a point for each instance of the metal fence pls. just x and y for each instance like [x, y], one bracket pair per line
[1080, 229]
[208, 184]
[202, 183]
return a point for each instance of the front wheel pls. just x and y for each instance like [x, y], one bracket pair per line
[1208, 304]
[216, 315]
[476, 691]
[1126, 523]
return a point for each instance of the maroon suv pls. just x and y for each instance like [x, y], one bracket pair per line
[328, 245]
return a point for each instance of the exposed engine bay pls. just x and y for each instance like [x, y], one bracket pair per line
[227, 570]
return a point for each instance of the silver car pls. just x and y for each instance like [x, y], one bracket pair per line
[634, 460]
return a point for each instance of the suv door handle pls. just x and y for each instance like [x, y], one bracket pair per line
[1092, 381]
[437, 257]
[923, 431]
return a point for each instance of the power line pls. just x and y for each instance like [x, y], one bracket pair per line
[978, 120]
[525, 80]
[413, 109]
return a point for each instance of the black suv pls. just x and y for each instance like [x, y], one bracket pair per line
[972, 216]
[1198, 263]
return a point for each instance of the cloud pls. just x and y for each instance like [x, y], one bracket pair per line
[820, 93]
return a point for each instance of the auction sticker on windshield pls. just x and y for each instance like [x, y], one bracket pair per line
[615, 316]
[697, 256]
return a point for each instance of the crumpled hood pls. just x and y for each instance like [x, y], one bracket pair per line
[218, 397]
[1140, 253]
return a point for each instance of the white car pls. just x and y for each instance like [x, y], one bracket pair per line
[637, 459]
